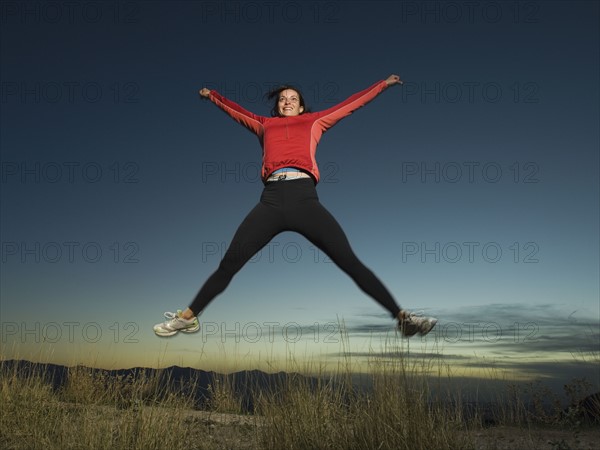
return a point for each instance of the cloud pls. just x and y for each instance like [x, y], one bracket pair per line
[547, 328]
[550, 341]
[555, 342]
[398, 355]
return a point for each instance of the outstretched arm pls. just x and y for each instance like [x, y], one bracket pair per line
[250, 120]
[331, 116]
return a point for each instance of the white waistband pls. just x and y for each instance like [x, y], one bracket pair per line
[287, 175]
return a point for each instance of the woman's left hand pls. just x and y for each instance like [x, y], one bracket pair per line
[393, 79]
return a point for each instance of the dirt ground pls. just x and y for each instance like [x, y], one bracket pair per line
[224, 431]
[540, 438]
[231, 431]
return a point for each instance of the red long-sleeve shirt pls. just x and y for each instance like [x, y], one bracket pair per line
[292, 141]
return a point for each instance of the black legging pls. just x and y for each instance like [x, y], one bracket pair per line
[291, 205]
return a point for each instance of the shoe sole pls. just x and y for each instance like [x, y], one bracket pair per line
[174, 332]
[191, 330]
[421, 332]
[165, 334]
[408, 333]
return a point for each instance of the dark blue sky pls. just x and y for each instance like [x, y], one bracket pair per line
[471, 191]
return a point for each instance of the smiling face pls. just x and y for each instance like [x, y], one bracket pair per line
[289, 103]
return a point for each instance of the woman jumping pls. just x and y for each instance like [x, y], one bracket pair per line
[289, 202]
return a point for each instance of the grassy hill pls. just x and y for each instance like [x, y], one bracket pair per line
[51, 407]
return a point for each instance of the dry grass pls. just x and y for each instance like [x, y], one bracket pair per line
[91, 411]
[396, 413]
[399, 411]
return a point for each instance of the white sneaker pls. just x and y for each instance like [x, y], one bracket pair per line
[175, 323]
[410, 323]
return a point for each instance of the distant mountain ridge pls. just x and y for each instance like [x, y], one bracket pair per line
[186, 380]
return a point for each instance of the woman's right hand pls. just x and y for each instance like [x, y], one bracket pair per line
[204, 92]
[393, 79]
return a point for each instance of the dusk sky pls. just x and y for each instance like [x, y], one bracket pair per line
[472, 191]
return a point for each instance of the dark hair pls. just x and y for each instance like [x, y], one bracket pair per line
[276, 92]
